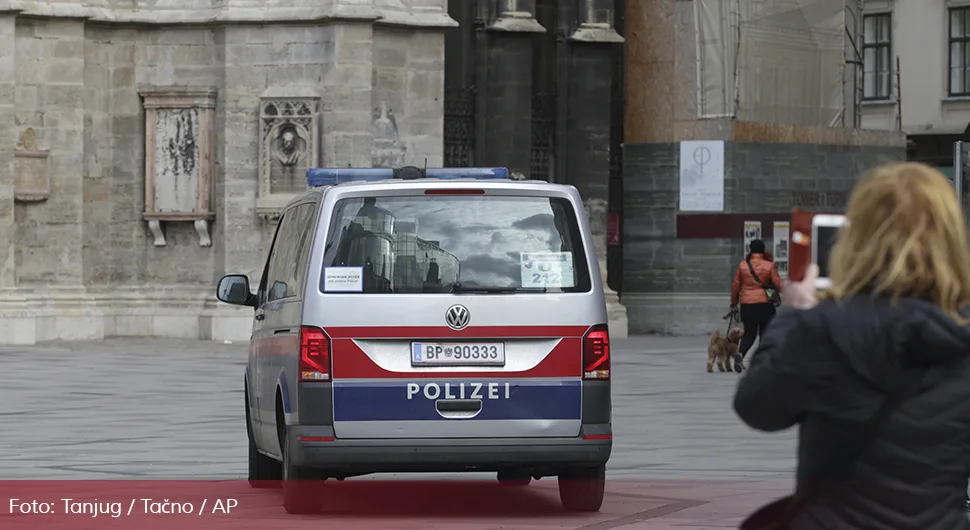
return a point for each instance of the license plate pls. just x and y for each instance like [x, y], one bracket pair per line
[457, 354]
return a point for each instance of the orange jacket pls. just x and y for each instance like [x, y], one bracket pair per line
[745, 290]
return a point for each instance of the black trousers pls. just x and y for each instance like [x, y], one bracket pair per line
[755, 318]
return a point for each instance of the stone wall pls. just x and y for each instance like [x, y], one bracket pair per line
[8, 142]
[673, 284]
[409, 82]
[50, 97]
[81, 262]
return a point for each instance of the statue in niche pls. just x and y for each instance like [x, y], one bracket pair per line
[288, 149]
[287, 143]
[388, 151]
[27, 140]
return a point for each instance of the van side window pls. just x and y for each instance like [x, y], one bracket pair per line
[263, 291]
[306, 222]
[281, 281]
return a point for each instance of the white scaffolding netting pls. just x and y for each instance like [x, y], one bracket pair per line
[787, 67]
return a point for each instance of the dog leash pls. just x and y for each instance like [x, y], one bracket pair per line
[733, 315]
[730, 317]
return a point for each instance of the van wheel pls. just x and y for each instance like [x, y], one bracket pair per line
[582, 489]
[514, 478]
[264, 472]
[300, 490]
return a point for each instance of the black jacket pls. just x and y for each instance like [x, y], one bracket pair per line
[913, 475]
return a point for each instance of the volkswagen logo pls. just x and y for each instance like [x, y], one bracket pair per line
[457, 317]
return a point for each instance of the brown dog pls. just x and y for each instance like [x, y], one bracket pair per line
[724, 350]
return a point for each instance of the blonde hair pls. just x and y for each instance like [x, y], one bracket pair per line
[906, 237]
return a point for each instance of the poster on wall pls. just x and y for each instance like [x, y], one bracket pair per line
[702, 176]
[752, 231]
[613, 229]
[780, 239]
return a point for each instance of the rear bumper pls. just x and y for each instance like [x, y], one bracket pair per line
[543, 455]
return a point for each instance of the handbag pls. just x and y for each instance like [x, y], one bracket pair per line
[778, 515]
[770, 291]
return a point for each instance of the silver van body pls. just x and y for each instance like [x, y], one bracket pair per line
[515, 394]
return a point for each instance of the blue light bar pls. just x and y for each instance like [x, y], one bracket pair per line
[332, 176]
[318, 176]
[467, 173]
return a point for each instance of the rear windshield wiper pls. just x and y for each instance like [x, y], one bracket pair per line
[457, 287]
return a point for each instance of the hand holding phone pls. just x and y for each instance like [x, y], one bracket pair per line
[801, 294]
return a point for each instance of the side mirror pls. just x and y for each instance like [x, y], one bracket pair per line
[234, 289]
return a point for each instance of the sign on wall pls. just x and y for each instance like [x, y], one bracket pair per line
[820, 199]
[702, 176]
[780, 240]
[752, 231]
[613, 229]
[180, 170]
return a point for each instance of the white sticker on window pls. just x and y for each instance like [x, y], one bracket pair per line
[547, 269]
[343, 279]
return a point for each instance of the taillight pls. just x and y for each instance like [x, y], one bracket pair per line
[314, 354]
[596, 353]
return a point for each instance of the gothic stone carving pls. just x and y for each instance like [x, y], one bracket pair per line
[288, 146]
[179, 138]
[32, 179]
[388, 151]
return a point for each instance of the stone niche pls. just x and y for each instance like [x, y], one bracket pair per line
[32, 177]
[289, 129]
[179, 141]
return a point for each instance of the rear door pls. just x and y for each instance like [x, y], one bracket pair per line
[279, 335]
[261, 395]
[458, 314]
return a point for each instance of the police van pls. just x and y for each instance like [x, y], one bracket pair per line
[428, 320]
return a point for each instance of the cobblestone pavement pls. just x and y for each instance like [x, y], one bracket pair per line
[155, 408]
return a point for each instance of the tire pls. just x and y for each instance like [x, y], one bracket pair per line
[514, 479]
[264, 472]
[301, 493]
[582, 489]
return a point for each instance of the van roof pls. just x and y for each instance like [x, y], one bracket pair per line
[317, 177]
[429, 180]
[320, 179]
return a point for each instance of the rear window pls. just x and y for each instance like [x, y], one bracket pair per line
[437, 244]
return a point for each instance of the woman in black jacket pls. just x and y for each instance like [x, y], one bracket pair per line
[894, 318]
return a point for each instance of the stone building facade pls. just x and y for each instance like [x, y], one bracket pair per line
[145, 146]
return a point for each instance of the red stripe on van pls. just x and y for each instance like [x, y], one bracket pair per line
[350, 362]
[444, 332]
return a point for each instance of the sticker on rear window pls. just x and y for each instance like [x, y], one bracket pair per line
[547, 269]
[343, 279]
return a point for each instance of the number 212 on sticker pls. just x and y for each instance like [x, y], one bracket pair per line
[546, 277]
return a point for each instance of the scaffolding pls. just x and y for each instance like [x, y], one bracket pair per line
[854, 57]
[779, 61]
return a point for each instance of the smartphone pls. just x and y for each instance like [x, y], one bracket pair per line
[825, 228]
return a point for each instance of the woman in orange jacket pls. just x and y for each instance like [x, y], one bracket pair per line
[756, 309]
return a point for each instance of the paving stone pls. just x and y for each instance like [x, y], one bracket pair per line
[173, 409]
